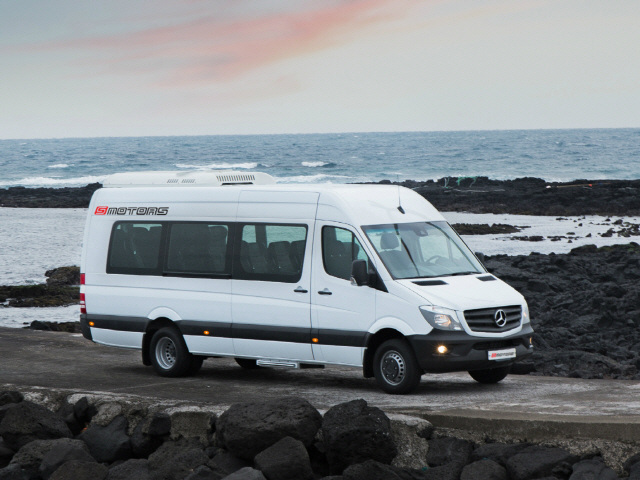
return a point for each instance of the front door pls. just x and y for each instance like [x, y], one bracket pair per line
[341, 312]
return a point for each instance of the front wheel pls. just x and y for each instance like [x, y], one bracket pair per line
[396, 368]
[170, 356]
[490, 375]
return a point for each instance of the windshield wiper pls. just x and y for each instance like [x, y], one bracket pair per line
[459, 273]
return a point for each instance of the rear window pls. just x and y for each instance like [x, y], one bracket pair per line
[135, 248]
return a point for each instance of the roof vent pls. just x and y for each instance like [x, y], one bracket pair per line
[207, 178]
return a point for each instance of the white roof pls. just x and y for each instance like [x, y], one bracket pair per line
[209, 178]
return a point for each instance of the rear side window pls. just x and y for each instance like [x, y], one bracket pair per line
[340, 248]
[135, 248]
[270, 252]
[198, 249]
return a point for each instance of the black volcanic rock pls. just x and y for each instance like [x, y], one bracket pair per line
[585, 309]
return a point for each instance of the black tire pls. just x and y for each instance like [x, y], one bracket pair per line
[196, 364]
[490, 375]
[169, 354]
[396, 368]
[247, 363]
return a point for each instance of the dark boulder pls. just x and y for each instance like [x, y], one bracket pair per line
[227, 463]
[133, 469]
[78, 470]
[485, 470]
[30, 456]
[175, 460]
[5, 408]
[592, 469]
[6, 454]
[84, 411]
[63, 276]
[67, 413]
[634, 472]
[498, 452]
[371, 470]
[246, 429]
[110, 443]
[247, 473]
[149, 434]
[353, 432]
[10, 396]
[443, 451]
[205, 473]
[13, 472]
[286, 459]
[62, 451]
[536, 462]
[630, 462]
[27, 421]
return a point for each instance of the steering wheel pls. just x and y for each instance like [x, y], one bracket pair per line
[434, 259]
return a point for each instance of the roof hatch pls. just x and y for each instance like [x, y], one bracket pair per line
[208, 178]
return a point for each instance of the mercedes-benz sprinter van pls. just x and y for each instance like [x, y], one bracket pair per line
[185, 266]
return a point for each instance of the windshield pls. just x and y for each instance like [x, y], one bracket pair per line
[423, 249]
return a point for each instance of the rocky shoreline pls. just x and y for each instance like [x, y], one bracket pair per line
[522, 196]
[96, 437]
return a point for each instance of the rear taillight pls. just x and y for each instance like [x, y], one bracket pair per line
[82, 279]
[83, 305]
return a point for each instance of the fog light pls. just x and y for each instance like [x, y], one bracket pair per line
[442, 349]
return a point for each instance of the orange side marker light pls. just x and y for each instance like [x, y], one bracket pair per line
[315, 340]
[91, 324]
[206, 332]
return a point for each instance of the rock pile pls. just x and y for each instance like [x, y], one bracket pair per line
[585, 309]
[284, 439]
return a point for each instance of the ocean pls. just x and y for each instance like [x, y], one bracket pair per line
[555, 155]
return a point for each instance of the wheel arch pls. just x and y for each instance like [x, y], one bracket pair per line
[373, 342]
[152, 327]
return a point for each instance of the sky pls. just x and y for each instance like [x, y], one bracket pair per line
[96, 68]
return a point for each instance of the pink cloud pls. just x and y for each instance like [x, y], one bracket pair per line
[210, 49]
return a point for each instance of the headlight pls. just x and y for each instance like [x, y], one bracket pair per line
[525, 314]
[441, 318]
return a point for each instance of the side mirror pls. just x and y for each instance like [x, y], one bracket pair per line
[359, 273]
[480, 256]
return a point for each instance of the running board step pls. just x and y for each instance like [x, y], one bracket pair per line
[277, 363]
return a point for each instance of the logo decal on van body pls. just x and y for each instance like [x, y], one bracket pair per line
[131, 211]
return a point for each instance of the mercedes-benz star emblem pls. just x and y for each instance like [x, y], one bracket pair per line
[500, 318]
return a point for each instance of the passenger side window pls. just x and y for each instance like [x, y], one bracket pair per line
[271, 253]
[134, 249]
[340, 248]
[198, 249]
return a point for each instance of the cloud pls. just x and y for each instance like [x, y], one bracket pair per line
[212, 49]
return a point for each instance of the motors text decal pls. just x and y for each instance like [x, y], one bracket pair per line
[132, 211]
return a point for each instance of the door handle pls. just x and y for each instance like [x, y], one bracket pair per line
[324, 292]
[301, 290]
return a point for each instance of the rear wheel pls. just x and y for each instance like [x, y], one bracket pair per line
[247, 363]
[395, 367]
[490, 375]
[170, 356]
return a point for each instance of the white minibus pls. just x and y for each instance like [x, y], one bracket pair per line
[189, 265]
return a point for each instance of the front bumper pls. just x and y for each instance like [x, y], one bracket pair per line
[465, 353]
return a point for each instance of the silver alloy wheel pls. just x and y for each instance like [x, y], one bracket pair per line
[393, 367]
[166, 353]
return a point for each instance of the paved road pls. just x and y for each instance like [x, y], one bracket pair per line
[66, 361]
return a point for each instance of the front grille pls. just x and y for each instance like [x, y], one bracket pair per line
[483, 319]
[497, 345]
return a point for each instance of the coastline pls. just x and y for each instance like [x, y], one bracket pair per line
[522, 196]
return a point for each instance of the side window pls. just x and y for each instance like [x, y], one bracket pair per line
[340, 248]
[197, 249]
[134, 249]
[269, 252]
